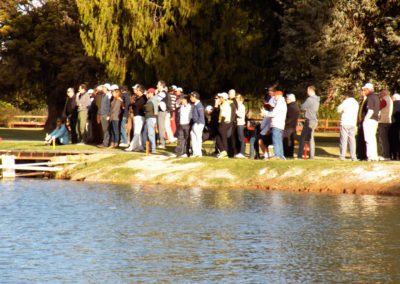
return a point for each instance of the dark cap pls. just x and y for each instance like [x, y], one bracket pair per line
[195, 94]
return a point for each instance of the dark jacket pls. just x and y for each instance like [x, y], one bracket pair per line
[105, 105]
[138, 106]
[198, 114]
[70, 107]
[126, 99]
[292, 116]
[149, 109]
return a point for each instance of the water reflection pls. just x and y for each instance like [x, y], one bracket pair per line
[74, 232]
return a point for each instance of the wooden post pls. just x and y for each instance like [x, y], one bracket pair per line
[54, 143]
[147, 148]
[9, 163]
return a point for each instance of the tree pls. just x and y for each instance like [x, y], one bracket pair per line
[42, 54]
[206, 45]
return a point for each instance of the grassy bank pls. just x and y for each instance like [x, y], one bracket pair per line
[324, 174]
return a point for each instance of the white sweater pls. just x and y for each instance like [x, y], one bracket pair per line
[278, 114]
[349, 110]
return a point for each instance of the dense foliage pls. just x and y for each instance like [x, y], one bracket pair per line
[207, 45]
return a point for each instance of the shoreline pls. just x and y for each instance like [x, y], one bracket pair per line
[316, 176]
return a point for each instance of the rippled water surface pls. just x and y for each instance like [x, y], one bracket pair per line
[64, 232]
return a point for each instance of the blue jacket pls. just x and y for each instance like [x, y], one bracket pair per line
[61, 133]
[198, 113]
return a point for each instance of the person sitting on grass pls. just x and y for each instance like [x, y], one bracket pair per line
[59, 136]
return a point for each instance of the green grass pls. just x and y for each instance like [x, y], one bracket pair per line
[22, 134]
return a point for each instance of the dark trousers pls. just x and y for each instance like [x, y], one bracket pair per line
[394, 140]
[383, 138]
[232, 140]
[240, 134]
[114, 133]
[288, 142]
[361, 145]
[183, 139]
[222, 138]
[73, 119]
[105, 125]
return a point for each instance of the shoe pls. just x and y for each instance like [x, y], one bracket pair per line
[240, 156]
[223, 154]
[183, 156]
[101, 146]
[161, 146]
[173, 140]
[123, 145]
[129, 149]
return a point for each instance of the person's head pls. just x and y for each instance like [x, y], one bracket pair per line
[222, 97]
[278, 94]
[368, 89]
[139, 90]
[194, 97]
[116, 93]
[271, 91]
[311, 90]
[82, 88]
[150, 93]
[161, 85]
[209, 109]
[70, 92]
[91, 92]
[178, 91]
[185, 100]
[239, 98]
[232, 94]
[396, 97]
[60, 121]
[290, 98]
[384, 93]
[124, 89]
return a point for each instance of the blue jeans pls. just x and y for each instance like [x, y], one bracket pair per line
[277, 141]
[150, 132]
[124, 137]
[114, 137]
[307, 134]
[240, 132]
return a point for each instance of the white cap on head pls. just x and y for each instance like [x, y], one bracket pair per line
[135, 86]
[107, 85]
[114, 87]
[396, 97]
[368, 86]
[223, 95]
[179, 89]
[291, 97]
[173, 87]
[209, 108]
[91, 91]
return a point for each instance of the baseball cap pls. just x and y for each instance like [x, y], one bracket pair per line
[114, 87]
[368, 86]
[223, 95]
[291, 97]
[151, 91]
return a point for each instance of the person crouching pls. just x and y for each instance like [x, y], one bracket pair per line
[59, 136]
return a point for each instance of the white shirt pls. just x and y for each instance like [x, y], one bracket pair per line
[185, 114]
[241, 114]
[349, 110]
[278, 114]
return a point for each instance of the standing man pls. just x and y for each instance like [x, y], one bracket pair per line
[362, 112]
[224, 124]
[150, 109]
[126, 101]
[370, 124]
[83, 103]
[103, 113]
[278, 117]
[310, 107]
[233, 136]
[196, 134]
[292, 117]
[71, 113]
[385, 120]
[348, 123]
[139, 119]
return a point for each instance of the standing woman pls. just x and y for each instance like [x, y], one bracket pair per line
[114, 118]
[241, 121]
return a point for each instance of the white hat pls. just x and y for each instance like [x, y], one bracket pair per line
[179, 89]
[209, 109]
[91, 91]
[396, 97]
[107, 85]
[114, 87]
[135, 86]
[291, 97]
[223, 95]
[368, 86]
[173, 87]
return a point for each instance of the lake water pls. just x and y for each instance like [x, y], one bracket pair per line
[66, 232]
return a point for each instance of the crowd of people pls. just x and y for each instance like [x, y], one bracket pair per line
[111, 116]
